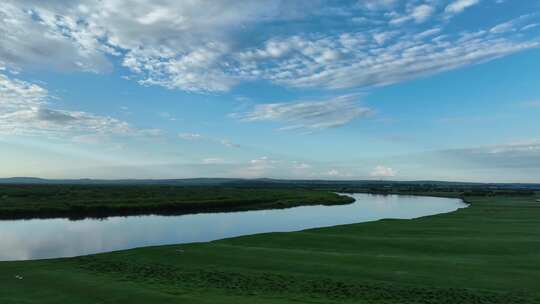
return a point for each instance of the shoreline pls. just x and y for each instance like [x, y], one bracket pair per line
[200, 208]
[459, 204]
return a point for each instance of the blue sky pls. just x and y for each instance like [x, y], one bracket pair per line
[386, 89]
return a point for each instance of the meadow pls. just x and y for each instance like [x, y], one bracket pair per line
[486, 253]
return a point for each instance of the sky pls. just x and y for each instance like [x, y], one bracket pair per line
[301, 89]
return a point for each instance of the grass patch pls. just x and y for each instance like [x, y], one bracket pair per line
[487, 253]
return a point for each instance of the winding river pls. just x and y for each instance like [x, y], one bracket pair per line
[52, 238]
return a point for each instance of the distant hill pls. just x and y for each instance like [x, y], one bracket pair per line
[87, 181]
[259, 182]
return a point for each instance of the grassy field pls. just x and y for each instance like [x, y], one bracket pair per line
[487, 253]
[80, 201]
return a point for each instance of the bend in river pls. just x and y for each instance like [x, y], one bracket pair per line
[53, 238]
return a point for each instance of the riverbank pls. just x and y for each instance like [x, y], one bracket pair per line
[56, 238]
[487, 253]
[100, 201]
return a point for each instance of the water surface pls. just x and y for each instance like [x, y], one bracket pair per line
[51, 238]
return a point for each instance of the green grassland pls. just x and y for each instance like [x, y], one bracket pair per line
[80, 201]
[487, 253]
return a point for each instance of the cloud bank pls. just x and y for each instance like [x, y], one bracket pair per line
[382, 171]
[209, 46]
[308, 115]
[25, 110]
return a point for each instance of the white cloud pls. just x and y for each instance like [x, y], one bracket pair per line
[382, 37]
[208, 46]
[503, 28]
[167, 116]
[382, 171]
[422, 13]
[257, 167]
[513, 25]
[392, 56]
[17, 94]
[419, 14]
[333, 172]
[301, 165]
[176, 44]
[189, 136]
[530, 146]
[523, 155]
[24, 110]
[266, 166]
[263, 161]
[150, 132]
[198, 137]
[90, 139]
[229, 144]
[375, 5]
[529, 26]
[428, 33]
[459, 6]
[32, 40]
[213, 161]
[308, 115]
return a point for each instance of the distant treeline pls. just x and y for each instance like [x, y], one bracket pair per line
[98, 201]
[279, 183]
[434, 190]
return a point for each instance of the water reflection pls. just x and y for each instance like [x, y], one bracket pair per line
[35, 239]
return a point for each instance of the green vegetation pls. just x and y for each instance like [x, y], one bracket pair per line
[487, 253]
[80, 201]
